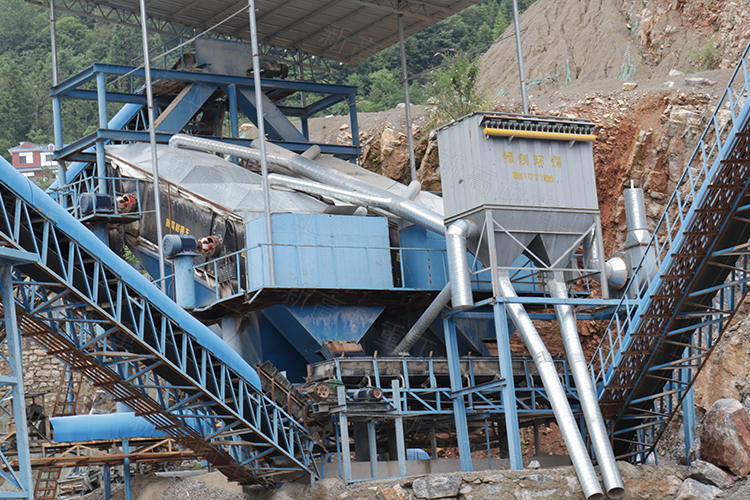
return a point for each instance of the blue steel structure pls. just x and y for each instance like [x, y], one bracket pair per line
[18, 480]
[196, 90]
[93, 311]
[89, 308]
[689, 293]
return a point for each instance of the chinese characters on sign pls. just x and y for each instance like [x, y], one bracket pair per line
[538, 161]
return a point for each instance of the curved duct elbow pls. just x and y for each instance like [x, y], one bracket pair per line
[617, 272]
[616, 268]
[458, 269]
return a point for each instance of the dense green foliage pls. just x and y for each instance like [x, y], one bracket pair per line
[26, 69]
[26, 75]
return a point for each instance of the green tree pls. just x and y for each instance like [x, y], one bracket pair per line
[455, 93]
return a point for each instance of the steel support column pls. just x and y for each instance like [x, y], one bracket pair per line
[56, 109]
[345, 453]
[233, 118]
[262, 142]
[508, 391]
[407, 102]
[459, 410]
[101, 163]
[22, 481]
[303, 97]
[372, 441]
[688, 408]
[399, 423]
[152, 141]
[519, 52]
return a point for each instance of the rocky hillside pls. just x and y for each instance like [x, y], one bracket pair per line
[587, 41]
[646, 133]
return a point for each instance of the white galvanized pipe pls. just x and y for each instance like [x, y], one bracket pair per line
[459, 273]
[316, 188]
[616, 268]
[555, 392]
[586, 393]
[406, 209]
[424, 321]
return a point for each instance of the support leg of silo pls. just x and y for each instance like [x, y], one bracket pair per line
[508, 392]
[459, 410]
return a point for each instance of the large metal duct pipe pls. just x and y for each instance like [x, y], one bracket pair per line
[424, 321]
[458, 269]
[555, 392]
[616, 268]
[638, 238]
[318, 189]
[586, 393]
[406, 209]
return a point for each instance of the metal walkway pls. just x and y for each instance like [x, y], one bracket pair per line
[89, 308]
[690, 287]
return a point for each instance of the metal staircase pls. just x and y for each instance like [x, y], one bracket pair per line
[688, 287]
[94, 312]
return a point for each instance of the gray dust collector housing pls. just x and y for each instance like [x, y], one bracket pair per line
[533, 175]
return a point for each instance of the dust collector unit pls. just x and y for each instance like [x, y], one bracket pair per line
[532, 178]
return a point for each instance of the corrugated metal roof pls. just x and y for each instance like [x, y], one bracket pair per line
[342, 30]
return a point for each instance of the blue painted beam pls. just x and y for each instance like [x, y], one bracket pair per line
[277, 126]
[90, 95]
[207, 78]
[173, 119]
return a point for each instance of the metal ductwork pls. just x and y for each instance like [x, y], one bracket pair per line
[586, 393]
[459, 273]
[555, 392]
[616, 268]
[424, 321]
[621, 266]
[316, 188]
[300, 165]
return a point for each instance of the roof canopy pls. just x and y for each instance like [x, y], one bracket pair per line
[341, 30]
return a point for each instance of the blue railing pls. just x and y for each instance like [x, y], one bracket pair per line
[694, 192]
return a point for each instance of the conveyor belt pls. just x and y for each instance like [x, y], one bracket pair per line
[93, 311]
[653, 351]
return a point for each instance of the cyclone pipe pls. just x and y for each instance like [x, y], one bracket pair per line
[458, 269]
[300, 165]
[424, 321]
[555, 393]
[586, 393]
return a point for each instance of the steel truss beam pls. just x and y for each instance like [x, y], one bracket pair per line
[78, 307]
[689, 290]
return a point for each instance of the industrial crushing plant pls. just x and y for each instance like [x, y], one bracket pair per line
[306, 317]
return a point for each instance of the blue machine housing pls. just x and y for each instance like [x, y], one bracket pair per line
[321, 251]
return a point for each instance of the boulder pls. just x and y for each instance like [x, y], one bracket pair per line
[695, 490]
[710, 474]
[725, 436]
[436, 487]
[629, 86]
[395, 493]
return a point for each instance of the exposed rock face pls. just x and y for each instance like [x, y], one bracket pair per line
[555, 50]
[725, 436]
[437, 487]
[695, 490]
[708, 473]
